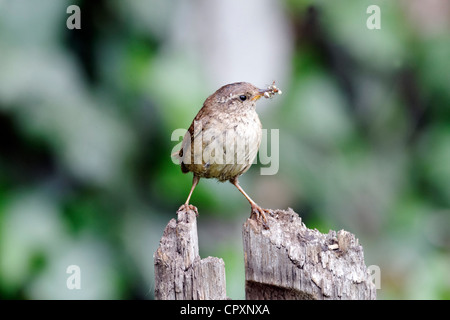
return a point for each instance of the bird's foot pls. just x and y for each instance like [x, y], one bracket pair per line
[188, 207]
[259, 214]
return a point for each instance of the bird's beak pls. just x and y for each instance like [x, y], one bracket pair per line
[260, 94]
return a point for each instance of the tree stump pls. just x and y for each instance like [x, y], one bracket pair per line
[180, 274]
[290, 261]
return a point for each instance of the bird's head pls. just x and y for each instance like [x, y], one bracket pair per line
[240, 95]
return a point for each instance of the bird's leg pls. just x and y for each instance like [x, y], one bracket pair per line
[257, 211]
[186, 206]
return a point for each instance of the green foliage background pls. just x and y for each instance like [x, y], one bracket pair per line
[86, 118]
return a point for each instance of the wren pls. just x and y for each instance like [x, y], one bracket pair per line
[224, 138]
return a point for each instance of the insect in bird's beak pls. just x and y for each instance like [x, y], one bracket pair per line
[267, 93]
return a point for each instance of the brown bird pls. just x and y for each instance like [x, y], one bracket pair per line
[224, 138]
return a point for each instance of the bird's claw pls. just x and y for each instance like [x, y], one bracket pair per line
[259, 214]
[188, 207]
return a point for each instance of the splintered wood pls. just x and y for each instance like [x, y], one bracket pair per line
[286, 261]
[180, 274]
[290, 261]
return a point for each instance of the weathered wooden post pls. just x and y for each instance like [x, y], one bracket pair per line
[180, 274]
[287, 261]
[290, 261]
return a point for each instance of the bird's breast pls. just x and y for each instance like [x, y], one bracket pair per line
[229, 143]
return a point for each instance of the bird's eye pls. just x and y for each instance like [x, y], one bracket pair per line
[243, 97]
